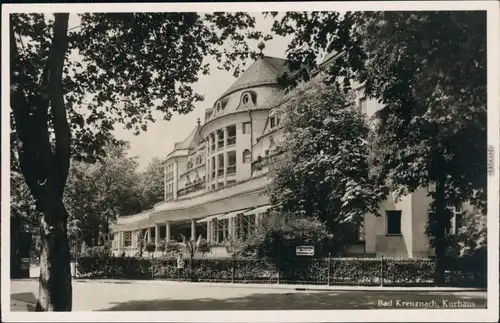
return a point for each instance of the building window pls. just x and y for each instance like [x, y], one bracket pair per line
[246, 98]
[455, 221]
[219, 106]
[245, 225]
[393, 222]
[220, 230]
[220, 170]
[362, 105]
[212, 136]
[231, 182]
[127, 238]
[231, 160]
[220, 139]
[231, 135]
[247, 156]
[247, 127]
[273, 122]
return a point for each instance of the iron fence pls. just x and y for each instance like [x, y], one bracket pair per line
[303, 271]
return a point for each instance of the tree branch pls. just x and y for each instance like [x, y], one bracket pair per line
[62, 130]
[30, 122]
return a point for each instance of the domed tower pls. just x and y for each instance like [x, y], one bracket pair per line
[238, 117]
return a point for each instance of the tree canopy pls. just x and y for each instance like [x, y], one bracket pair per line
[428, 70]
[326, 173]
[70, 87]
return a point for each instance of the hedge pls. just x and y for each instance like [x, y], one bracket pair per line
[326, 271]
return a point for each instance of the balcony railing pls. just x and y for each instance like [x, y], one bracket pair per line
[231, 169]
[231, 140]
[220, 143]
[192, 187]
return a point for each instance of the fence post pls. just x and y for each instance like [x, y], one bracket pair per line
[382, 271]
[329, 268]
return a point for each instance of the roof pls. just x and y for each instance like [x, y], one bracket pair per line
[191, 141]
[264, 70]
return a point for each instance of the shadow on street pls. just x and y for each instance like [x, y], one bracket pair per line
[301, 301]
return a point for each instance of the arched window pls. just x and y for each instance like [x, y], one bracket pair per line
[247, 156]
[219, 106]
[246, 98]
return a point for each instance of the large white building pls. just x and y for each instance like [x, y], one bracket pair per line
[215, 178]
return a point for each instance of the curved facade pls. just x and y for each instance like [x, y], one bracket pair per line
[215, 178]
[212, 187]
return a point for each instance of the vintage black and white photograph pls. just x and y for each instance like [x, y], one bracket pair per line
[250, 159]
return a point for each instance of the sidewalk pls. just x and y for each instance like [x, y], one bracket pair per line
[296, 287]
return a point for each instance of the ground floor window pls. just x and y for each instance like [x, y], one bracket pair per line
[220, 230]
[127, 238]
[245, 225]
[393, 222]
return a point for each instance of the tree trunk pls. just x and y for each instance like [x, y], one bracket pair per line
[439, 232]
[55, 290]
[45, 168]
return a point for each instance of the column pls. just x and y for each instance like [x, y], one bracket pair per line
[120, 239]
[230, 228]
[207, 163]
[174, 165]
[225, 156]
[150, 233]
[193, 229]
[157, 234]
[168, 233]
[209, 231]
[165, 182]
[216, 170]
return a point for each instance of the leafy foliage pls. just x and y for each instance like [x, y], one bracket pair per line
[326, 172]
[97, 193]
[428, 70]
[150, 247]
[343, 271]
[151, 183]
[471, 236]
[278, 236]
[172, 247]
[193, 246]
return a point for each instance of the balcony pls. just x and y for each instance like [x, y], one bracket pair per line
[192, 187]
[231, 169]
[231, 140]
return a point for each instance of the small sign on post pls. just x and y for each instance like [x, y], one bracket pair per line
[304, 250]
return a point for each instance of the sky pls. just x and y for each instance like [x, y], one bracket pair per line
[160, 137]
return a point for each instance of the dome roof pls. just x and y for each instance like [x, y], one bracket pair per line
[264, 70]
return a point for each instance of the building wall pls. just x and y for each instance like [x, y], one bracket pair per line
[412, 242]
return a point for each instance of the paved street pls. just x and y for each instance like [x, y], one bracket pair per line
[164, 296]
